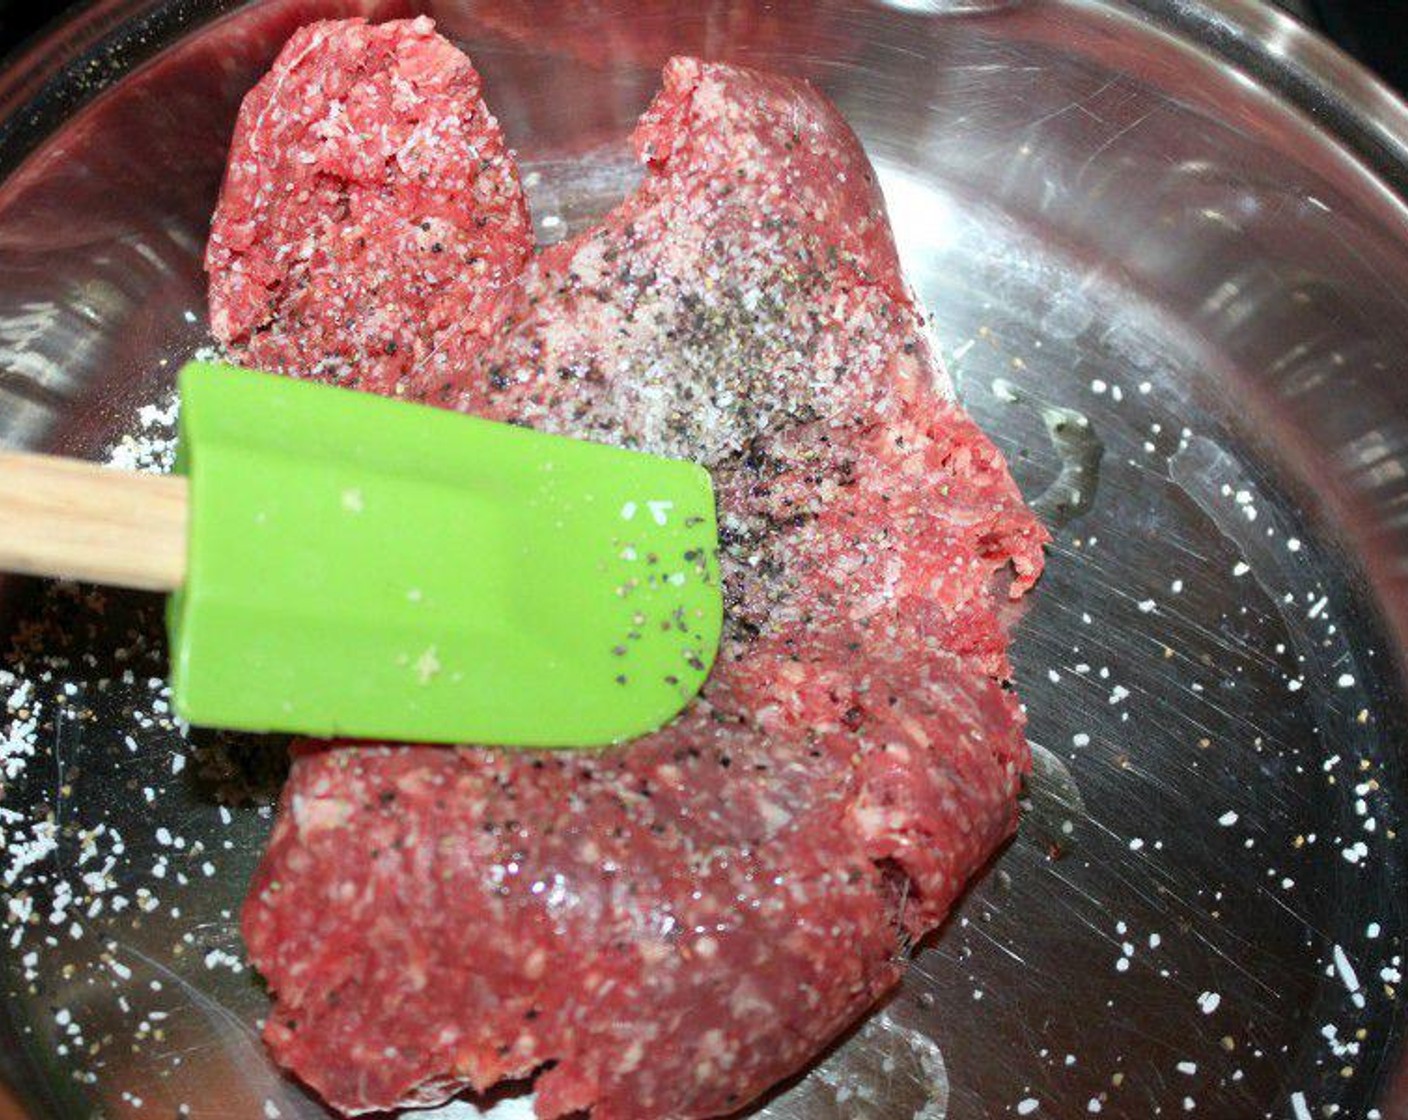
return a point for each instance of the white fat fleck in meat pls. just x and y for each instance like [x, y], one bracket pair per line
[773, 816]
[312, 815]
[631, 1057]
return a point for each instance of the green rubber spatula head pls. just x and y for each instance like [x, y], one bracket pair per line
[362, 567]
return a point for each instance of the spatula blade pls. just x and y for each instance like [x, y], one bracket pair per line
[368, 568]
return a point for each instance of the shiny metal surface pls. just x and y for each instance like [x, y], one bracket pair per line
[1166, 247]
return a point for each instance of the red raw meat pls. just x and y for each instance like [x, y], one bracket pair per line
[369, 210]
[674, 927]
[668, 928]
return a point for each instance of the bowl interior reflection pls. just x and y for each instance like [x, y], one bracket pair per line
[1174, 298]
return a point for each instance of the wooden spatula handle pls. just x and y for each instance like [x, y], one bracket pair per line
[76, 520]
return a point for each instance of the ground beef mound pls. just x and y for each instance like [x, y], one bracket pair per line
[370, 207]
[669, 928]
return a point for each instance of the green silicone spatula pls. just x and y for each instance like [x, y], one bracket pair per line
[346, 565]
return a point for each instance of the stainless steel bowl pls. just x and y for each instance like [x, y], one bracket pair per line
[1166, 245]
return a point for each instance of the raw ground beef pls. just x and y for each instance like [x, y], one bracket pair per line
[370, 207]
[668, 928]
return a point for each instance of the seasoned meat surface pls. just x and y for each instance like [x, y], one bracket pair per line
[369, 209]
[668, 928]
